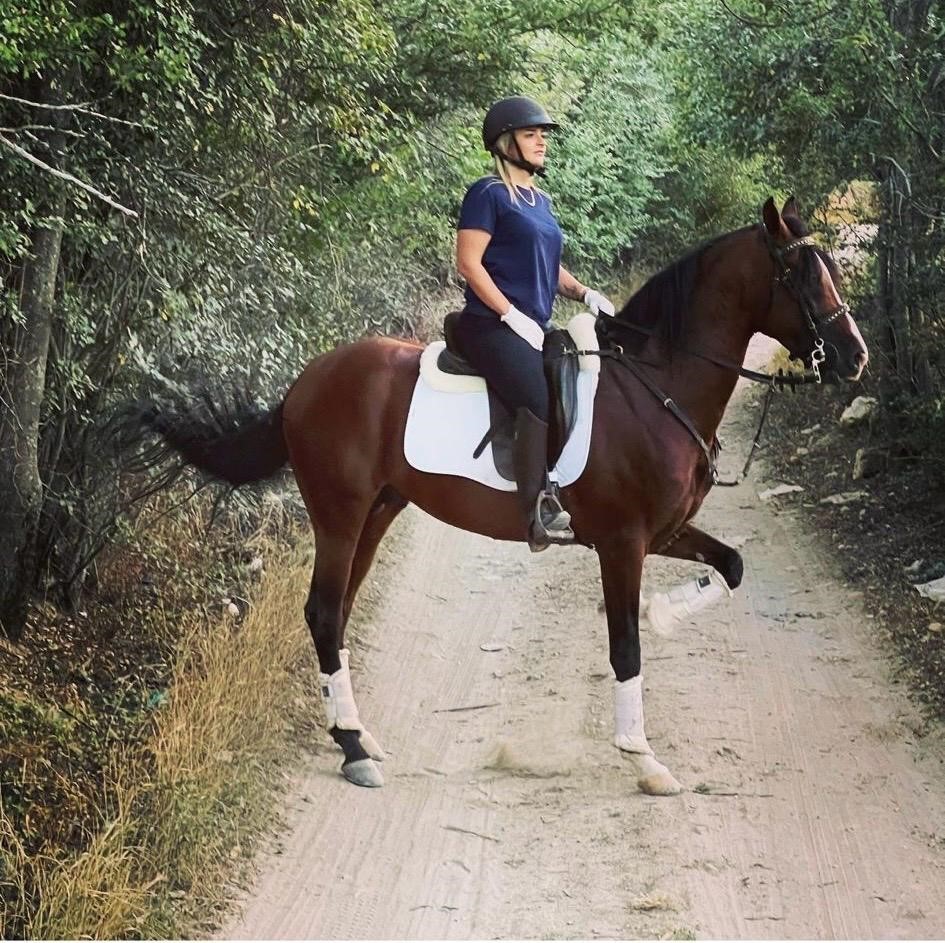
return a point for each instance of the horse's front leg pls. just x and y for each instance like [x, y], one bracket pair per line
[621, 565]
[666, 609]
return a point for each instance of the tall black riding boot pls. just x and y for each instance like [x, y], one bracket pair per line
[548, 522]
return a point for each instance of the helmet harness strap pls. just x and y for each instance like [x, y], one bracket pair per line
[519, 161]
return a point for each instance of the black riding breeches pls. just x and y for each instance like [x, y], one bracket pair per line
[511, 366]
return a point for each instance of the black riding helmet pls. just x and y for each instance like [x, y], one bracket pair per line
[510, 114]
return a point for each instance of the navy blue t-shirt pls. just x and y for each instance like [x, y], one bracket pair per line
[524, 254]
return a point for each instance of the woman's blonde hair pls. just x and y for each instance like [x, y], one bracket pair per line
[505, 143]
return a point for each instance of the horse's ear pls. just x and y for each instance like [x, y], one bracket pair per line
[790, 208]
[772, 218]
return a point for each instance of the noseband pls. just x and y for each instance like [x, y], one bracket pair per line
[784, 276]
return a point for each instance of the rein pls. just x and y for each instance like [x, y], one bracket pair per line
[779, 379]
[711, 452]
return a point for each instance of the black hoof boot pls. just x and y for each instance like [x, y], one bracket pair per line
[358, 767]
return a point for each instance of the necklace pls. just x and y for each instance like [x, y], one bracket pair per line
[534, 198]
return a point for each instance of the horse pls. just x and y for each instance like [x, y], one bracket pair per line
[662, 392]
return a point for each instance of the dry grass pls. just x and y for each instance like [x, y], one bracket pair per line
[178, 814]
[650, 902]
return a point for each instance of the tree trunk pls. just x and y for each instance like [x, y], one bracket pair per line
[25, 347]
[24, 374]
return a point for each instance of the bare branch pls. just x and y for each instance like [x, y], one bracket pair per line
[750, 20]
[775, 24]
[24, 128]
[81, 109]
[64, 175]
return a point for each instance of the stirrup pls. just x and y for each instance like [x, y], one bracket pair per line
[549, 525]
[552, 515]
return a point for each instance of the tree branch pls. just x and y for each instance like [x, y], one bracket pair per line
[79, 108]
[64, 175]
[24, 128]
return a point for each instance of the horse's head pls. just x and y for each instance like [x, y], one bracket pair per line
[806, 312]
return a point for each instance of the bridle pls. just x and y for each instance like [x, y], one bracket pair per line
[783, 275]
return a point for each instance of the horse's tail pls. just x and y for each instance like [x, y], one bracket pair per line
[235, 441]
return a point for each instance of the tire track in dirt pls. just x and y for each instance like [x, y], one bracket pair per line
[816, 802]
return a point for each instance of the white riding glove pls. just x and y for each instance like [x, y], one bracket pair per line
[598, 303]
[527, 328]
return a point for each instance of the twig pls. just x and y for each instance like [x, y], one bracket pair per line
[470, 707]
[750, 20]
[268, 169]
[920, 134]
[26, 128]
[469, 831]
[744, 795]
[64, 175]
[79, 108]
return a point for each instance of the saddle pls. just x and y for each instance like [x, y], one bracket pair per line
[561, 373]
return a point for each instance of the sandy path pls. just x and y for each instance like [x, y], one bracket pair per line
[816, 802]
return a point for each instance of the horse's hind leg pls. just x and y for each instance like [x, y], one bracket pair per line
[324, 613]
[386, 507]
[665, 609]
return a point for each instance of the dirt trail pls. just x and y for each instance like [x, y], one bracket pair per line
[816, 802]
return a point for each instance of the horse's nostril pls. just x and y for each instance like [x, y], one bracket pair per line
[861, 359]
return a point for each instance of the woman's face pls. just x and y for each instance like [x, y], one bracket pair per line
[532, 145]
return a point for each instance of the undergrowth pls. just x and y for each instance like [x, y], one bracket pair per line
[143, 738]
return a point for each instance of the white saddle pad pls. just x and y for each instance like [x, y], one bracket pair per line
[449, 415]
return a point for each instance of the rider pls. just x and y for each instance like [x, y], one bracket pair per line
[508, 248]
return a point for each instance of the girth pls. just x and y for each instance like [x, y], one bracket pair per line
[561, 372]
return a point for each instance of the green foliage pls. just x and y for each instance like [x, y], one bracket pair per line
[613, 149]
[297, 169]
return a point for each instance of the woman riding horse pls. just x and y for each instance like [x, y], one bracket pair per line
[341, 426]
[508, 248]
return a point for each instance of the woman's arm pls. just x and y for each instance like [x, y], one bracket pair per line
[569, 286]
[470, 247]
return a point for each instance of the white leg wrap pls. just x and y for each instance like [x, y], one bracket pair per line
[666, 609]
[653, 778]
[340, 708]
[628, 716]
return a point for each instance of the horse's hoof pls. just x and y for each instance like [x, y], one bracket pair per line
[659, 784]
[363, 773]
[371, 747]
[653, 778]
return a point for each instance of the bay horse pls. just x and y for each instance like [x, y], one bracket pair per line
[341, 426]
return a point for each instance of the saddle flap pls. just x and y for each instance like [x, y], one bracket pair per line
[561, 372]
[446, 381]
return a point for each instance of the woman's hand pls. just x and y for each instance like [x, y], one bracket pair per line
[527, 328]
[598, 303]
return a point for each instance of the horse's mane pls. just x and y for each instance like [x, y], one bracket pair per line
[662, 305]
